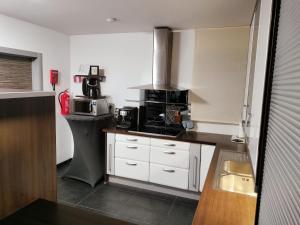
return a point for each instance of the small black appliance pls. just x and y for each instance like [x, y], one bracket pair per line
[127, 117]
[91, 87]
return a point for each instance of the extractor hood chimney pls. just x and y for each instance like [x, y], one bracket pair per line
[162, 56]
[162, 59]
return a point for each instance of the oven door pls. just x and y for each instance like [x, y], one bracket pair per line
[82, 107]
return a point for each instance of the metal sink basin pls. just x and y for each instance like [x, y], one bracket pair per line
[237, 183]
[234, 173]
[235, 167]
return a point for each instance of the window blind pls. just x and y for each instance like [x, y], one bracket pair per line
[280, 196]
[15, 72]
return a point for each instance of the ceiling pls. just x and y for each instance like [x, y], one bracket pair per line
[89, 16]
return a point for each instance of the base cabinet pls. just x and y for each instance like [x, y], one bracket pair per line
[169, 176]
[132, 169]
[171, 163]
[174, 158]
[132, 151]
[207, 152]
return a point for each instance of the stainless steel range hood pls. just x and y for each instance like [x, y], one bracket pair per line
[162, 59]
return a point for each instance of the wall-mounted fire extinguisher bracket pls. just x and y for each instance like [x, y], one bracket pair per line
[64, 101]
[53, 78]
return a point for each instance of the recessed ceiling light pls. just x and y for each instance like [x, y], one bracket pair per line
[111, 20]
[37, 1]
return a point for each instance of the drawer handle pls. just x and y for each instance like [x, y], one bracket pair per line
[110, 157]
[132, 139]
[132, 147]
[131, 164]
[169, 152]
[169, 170]
[169, 144]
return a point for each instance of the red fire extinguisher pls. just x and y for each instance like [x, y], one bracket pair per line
[64, 101]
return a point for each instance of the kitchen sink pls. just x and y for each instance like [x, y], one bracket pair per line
[234, 173]
[237, 183]
[235, 167]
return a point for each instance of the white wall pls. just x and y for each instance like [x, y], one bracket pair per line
[55, 48]
[127, 61]
[183, 53]
[219, 76]
[259, 78]
[183, 74]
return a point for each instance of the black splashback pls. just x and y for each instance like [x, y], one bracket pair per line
[161, 111]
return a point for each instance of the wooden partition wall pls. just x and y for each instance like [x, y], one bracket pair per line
[27, 152]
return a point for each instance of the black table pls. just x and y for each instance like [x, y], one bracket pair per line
[42, 212]
[88, 163]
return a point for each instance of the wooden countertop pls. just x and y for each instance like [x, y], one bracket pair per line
[190, 136]
[22, 93]
[216, 207]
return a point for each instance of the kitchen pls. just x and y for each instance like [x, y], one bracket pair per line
[209, 81]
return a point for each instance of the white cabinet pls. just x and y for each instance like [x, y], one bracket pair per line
[169, 176]
[132, 151]
[207, 152]
[132, 169]
[170, 144]
[110, 153]
[167, 162]
[170, 157]
[132, 155]
[133, 139]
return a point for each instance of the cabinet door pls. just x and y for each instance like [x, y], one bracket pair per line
[169, 176]
[133, 139]
[162, 143]
[170, 157]
[132, 151]
[194, 170]
[207, 152]
[132, 169]
[110, 153]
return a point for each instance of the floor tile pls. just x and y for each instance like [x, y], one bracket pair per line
[113, 215]
[182, 212]
[125, 203]
[72, 191]
[62, 168]
[107, 198]
[147, 208]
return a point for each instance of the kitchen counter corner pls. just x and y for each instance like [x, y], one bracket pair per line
[20, 93]
[222, 207]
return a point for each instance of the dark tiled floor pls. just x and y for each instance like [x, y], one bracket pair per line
[126, 203]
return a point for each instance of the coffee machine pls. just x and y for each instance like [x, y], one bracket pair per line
[127, 117]
[91, 87]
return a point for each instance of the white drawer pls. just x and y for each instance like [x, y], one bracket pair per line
[170, 144]
[170, 157]
[169, 176]
[133, 139]
[132, 151]
[132, 169]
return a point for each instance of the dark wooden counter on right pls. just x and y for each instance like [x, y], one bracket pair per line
[217, 207]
